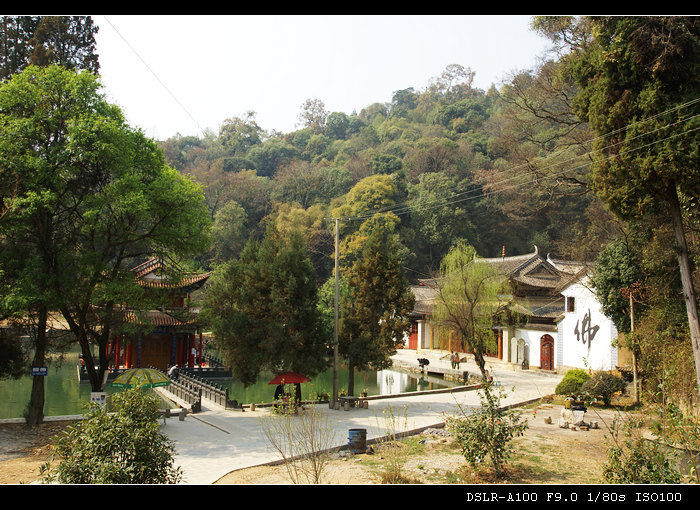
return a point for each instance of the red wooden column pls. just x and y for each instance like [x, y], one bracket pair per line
[200, 348]
[116, 351]
[127, 355]
[190, 351]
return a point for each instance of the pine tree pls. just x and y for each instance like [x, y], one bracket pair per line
[376, 315]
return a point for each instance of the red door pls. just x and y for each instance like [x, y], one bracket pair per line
[413, 336]
[547, 353]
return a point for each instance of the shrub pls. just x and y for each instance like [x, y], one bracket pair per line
[124, 447]
[572, 382]
[488, 431]
[603, 385]
[632, 459]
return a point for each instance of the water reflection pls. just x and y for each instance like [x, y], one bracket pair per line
[66, 396]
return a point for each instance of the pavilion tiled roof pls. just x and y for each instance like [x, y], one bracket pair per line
[149, 267]
[540, 280]
[158, 318]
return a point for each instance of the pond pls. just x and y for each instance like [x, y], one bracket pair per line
[66, 396]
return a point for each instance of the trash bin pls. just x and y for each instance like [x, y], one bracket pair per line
[358, 440]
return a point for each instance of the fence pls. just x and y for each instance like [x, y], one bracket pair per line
[209, 390]
[185, 391]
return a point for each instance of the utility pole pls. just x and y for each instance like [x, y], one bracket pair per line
[335, 332]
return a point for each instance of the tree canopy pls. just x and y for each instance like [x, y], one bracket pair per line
[263, 309]
[87, 198]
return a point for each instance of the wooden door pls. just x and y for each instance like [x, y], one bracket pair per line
[547, 352]
[413, 336]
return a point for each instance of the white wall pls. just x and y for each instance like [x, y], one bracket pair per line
[592, 346]
[532, 338]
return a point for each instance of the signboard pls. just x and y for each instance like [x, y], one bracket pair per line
[98, 397]
[40, 371]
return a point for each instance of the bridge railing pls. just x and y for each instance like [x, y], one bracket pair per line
[210, 390]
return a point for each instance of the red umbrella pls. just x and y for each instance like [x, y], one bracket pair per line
[289, 378]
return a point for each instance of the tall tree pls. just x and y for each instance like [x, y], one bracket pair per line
[68, 41]
[469, 300]
[376, 313]
[262, 308]
[91, 196]
[639, 87]
[16, 33]
[237, 135]
[313, 115]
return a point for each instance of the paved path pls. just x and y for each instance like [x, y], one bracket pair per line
[214, 442]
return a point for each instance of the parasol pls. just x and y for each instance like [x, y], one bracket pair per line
[141, 378]
[289, 378]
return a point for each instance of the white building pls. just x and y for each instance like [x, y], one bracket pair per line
[561, 327]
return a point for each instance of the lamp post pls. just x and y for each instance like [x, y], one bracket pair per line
[335, 329]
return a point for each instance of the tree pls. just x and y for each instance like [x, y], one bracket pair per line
[438, 222]
[637, 74]
[15, 35]
[68, 41]
[617, 268]
[237, 135]
[376, 314]
[313, 115]
[262, 308]
[229, 231]
[92, 196]
[468, 300]
[270, 155]
[337, 125]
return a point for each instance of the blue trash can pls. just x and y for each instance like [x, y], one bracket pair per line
[358, 440]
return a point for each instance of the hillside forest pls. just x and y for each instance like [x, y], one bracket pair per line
[592, 156]
[507, 170]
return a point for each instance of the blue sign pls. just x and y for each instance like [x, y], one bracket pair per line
[40, 370]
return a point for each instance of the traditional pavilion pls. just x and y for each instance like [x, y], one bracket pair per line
[166, 336]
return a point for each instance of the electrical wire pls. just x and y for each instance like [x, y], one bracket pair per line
[154, 74]
[408, 207]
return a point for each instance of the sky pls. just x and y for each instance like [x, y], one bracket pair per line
[186, 74]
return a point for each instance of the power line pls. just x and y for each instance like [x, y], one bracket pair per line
[407, 207]
[154, 74]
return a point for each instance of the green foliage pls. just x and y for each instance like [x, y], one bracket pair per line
[469, 300]
[603, 385]
[123, 447]
[486, 433]
[14, 361]
[682, 430]
[262, 308]
[376, 314]
[229, 231]
[68, 41]
[633, 459]
[616, 268]
[665, 350]
[270, 155]
[572, 382]
[84, 197]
